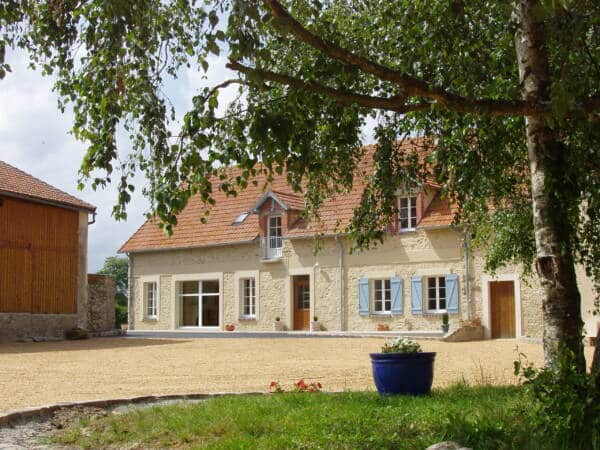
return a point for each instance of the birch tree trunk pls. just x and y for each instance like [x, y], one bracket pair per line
[554, 255]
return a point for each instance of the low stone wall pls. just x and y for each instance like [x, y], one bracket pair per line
[33, 327]
[101, 303]
[466, 333]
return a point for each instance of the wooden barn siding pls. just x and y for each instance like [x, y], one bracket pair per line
[38, 258]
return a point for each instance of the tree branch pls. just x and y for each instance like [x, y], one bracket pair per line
[223, 85]
[395, 104]
[409, 85]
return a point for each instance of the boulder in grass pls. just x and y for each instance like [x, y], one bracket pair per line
[75, 334]
[447, 445]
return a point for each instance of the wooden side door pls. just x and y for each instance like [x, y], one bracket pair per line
[502, 309]
[301, 302]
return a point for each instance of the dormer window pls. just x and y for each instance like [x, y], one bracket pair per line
[274, 241]
[407, 213]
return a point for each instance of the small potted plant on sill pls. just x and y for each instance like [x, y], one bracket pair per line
[402, 368]
[315, 325]
[445, 324]
[383, 327]
[230, 327]
[278, 325]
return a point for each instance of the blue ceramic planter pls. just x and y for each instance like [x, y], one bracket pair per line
[403, 373]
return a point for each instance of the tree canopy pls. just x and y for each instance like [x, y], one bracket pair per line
[117, 267]
[312, 73]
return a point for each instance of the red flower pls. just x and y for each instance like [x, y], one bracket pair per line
[319, 385]
[273, 383]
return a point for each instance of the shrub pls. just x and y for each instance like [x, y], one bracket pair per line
[566, 402]
[120, 315]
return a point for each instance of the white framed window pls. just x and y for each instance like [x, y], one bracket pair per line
[382, 296]
[436, 294]
[407, 213]
[274, 241]
[199, 303]
[248, 291]
[151, 299]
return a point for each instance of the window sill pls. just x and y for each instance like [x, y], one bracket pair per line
[441, 312]
[150, 319]
[248, 318]
[271, 260]
[381, 314]
[407, 230]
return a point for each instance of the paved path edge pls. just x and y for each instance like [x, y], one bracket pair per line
[7, 418]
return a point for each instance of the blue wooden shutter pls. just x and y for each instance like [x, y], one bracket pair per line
[363, 296]
[397, 291]
[416, 295]
[452, 293]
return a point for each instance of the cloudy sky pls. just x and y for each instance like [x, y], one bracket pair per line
[34, 136]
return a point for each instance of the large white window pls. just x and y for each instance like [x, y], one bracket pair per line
[151, 300]
[248, 298]
[407, 213]
[274, 242]
[436, 294]
[382, 296]
[199, 303]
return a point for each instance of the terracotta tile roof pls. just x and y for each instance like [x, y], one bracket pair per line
[292, 201]
[15, 182]
[439, 213]
[335, 214]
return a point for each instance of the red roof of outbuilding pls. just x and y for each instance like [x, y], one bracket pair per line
[16, 183]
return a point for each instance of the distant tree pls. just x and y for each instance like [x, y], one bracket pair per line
[508, 90]
[118, 267]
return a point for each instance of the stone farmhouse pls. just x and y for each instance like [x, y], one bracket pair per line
[252, 266]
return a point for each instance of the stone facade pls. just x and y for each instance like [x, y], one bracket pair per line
[101, 303]
[333, 290]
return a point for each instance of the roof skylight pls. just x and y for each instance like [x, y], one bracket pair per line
[240, 219]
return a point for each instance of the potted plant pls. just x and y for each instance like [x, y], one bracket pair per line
[230, 327]
[402, 368]
[383, 327]
[278, 325]
[445, 324]
[315, 325]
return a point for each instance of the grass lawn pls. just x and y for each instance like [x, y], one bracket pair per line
[481, 418]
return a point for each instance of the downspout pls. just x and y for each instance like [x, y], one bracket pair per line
[130, 311]
[341, 267]
[467, 247]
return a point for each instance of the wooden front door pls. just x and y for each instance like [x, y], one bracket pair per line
[301, 302]
[502, 309]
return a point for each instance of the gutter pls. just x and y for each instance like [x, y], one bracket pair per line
[341, 266]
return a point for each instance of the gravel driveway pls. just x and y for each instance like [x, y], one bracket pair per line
[33, 374]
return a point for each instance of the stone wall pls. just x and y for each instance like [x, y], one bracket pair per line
[101, 303]
[420, 253]
[29, 327]
[466, 333]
